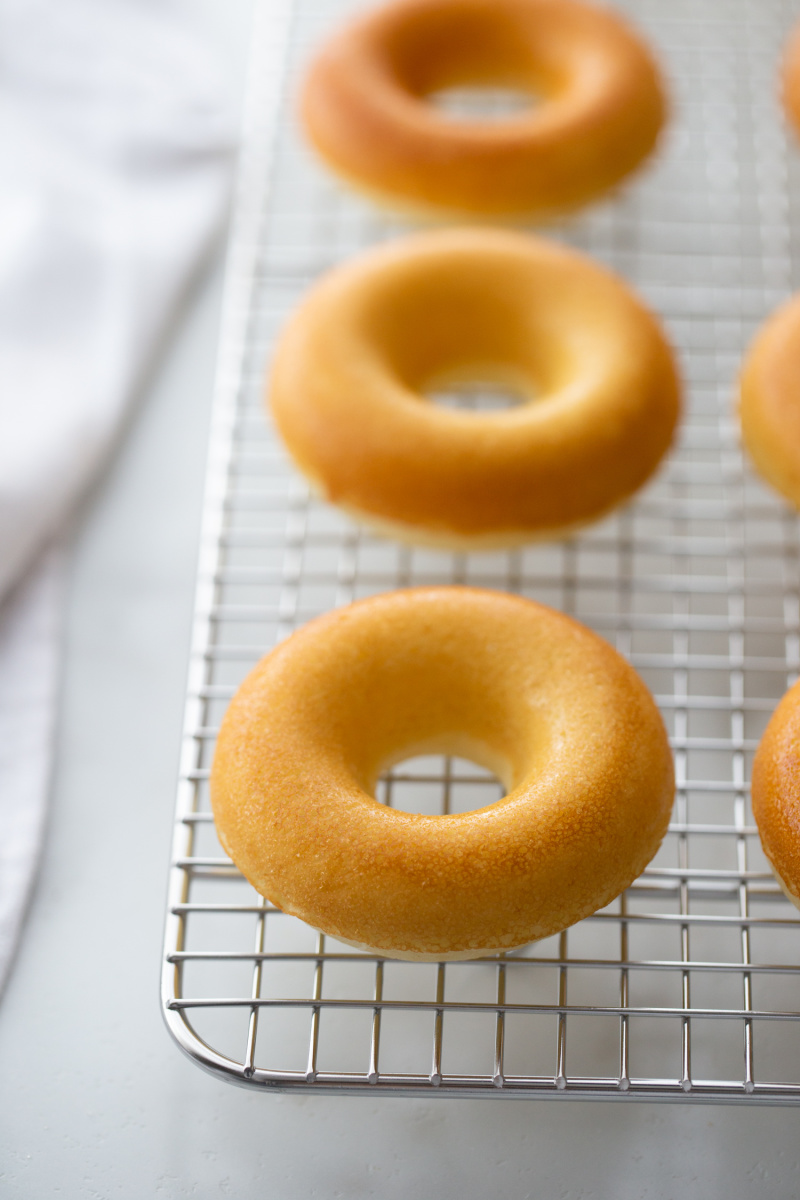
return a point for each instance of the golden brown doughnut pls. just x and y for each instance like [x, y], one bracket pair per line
[769, 407]
[790, 78]
[364, 104]
[776, 792]
[546, 704]
[350, 368]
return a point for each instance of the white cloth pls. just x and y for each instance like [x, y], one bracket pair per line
[115, 153]
[30, 622]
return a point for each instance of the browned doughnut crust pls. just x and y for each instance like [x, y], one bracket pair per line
[790, 78]
[545, 703]
[602, 107]
[769, 406]
[351, 366]
[776, 792]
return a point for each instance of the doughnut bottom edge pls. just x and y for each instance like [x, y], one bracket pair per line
[458, 543]
[447, 956]
[436, 215]
[790, 896]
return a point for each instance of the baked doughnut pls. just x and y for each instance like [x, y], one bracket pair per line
[419, 312]
[776, 792]
[790, 78]
[364, 104]
[543, 702]
[769, 407]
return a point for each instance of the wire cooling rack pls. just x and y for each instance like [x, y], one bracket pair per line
[688, 986]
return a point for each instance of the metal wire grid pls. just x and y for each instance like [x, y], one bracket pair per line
[688, 986]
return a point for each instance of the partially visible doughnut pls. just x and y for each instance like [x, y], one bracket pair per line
[350, 369]
[769, 407]
[546, 704]
[776, 792]
[602, 104]
[790, 78]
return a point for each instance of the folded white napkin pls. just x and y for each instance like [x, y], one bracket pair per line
[115, 152]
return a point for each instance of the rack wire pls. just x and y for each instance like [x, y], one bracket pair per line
[688, 986]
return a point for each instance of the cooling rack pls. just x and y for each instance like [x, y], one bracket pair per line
[688, 986]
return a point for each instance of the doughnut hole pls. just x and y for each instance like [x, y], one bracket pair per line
[427, 697]
[482, 103]
[439, 785]
[478, 395]
[438, 48]
[444, 319]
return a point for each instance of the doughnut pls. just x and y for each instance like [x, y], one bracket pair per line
[775, 793]
[769, 406]
[544, 703]
[790, 79]
[351, 366]
[364, 104]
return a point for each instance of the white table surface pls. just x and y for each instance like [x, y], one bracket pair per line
[96, 1100]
